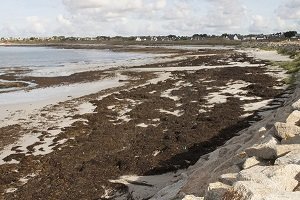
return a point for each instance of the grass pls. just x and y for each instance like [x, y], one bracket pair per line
[289, 52]
[291, 66]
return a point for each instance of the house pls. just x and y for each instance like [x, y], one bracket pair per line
[261, 37]
[234, 37]
[153, 38]
[138, 39]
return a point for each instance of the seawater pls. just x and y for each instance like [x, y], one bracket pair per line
[54, 57]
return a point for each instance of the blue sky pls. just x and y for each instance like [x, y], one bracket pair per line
[19, 18]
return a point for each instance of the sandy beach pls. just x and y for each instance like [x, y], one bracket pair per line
[119, 131]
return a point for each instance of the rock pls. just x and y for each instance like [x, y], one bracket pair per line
[239, 158]
[284, 130]
[255, 191]
[216, 191]
[228, 179]
[278, 177]
[291, 140]
[283, 149]
[250, 162]
[192, 197]
[262, 130]
[296, 105]
[265, 150]
[283, 196]
[251, 190]
[290, 158]
[294, 117]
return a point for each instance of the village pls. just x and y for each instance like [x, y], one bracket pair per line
[281, 36]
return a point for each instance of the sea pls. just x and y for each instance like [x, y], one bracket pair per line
[54, 57]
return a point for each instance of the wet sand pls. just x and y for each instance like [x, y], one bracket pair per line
[159, 118]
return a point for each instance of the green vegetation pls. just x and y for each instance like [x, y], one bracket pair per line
[290, 80]
[289, 52]
[291, 66]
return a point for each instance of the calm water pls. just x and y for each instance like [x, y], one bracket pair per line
[48, 57]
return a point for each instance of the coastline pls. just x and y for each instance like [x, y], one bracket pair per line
[141, 81]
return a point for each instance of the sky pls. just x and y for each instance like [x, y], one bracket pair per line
[25, 18]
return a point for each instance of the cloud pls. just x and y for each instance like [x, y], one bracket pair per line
[141, 17]
[35, 25]
[62, 20]
[290, 10]
[259, 24]
[288, 15]
[226, 15]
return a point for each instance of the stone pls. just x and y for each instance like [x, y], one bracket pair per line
[296, 105]
[216, 191]
[192, 197]
[291, 140]
[239, 158]
[294, 117]
[255, 191]
[278, 177]
[284, 130]
[265, 150]
[250, 162]
[283, 196]
[251, 190]
[291, 158]
[283, 149]
[228, 179]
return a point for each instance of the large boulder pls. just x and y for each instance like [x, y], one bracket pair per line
[278, 177]
[296, 105]
[291, 140]
[216, 191]
[265, 150]
[283, 196]
[283, 149]
[291, 158]
[192, 197]
[294, 117]
[285, 130]
[255, 191]
[250, 162]
[228, 179]
[251, 190]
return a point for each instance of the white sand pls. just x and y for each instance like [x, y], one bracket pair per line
[231, 88]
[176, 113]
[20, 104]
[265, 55]
[168, 94]
[70, 69]
[191, 68]
[144, 187]
[255, 106]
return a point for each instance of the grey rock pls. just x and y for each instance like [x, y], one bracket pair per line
[294, 117]
[278, 177]
[265, 150]
[250, 162]
[216, 191]
[291, 140]
[285, 130]
[290, 158]
[228, 179]
[296, 105]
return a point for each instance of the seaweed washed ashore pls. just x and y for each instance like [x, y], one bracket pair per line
[150, 120]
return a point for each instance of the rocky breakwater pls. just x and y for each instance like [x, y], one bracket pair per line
[270, 169]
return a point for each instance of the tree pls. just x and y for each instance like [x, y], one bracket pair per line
[290, 34]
